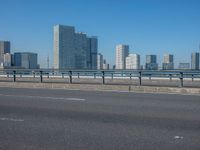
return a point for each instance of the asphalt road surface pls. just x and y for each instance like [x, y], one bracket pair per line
[47, 119]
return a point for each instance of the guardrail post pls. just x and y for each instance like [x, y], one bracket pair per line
[103, 77]
[53, 73]
[41, 79]
[70, 77]
[14, 76]
[20, 75]
[62, 75]
[140, 78]
[130, 76]
[7, 75]
[94, 75]
[192, 77]
[78, 75]
[181, 79]
[170, 77]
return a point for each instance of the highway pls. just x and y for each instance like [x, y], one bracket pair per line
[56, 119]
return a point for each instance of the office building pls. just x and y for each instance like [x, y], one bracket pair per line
[122, 51]
[151, 62]
[195, 61]
[99, 61]
[105, 65]
[74, 50]
[7, 60]
[168, 63]
[26, 60]
[93, 49]
[133, 61]
[184, 66]
[4, 48]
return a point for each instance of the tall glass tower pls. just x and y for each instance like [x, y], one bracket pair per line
[195, 61]
[74, 50]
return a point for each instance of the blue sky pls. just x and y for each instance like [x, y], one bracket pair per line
[148, 26]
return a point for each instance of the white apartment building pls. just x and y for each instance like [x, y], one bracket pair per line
[105, 65]
[122, 52]
[168, 63]
[133, 61]
[7, 60]
[99, 61]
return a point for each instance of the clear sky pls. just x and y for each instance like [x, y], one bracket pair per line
[148, 26]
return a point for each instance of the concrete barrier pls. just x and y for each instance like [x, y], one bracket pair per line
[100, 87]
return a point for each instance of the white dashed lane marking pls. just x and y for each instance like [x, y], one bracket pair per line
[11, 119]
[45, 97]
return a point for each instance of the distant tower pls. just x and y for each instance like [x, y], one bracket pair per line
[74, 50]
[151, 62]
[99, 61]
[195, 61]
[168, 63]
[122, 51]
[133, 61]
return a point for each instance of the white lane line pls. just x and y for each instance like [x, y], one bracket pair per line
[178, 137]
[11, 119]
[45, 97]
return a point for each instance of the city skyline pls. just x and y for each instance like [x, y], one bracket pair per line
[148, 27]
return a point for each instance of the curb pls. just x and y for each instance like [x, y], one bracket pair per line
[100, 87]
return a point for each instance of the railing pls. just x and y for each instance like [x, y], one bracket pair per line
[180, 78]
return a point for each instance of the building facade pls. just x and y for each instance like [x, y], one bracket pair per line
[4, 49]
[93, 49]
[99, 61]
[106, 66]
[151, 62]
[133, 61]
[122, 51]
[195, 61]
[7, 60]
[168, 63]
[26, 60]
[74, 50]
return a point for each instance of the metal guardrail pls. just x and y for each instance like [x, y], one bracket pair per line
[140, 74]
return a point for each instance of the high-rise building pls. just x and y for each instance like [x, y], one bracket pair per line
[7, 60]
[168, 63]
[74, 50]
[4, 48]
[184, 66]
[133, 61]
[93, 49]
[105, 65]
[195, 61]
[151, 62]
[99, 61]
[122, 51]
[26, 60]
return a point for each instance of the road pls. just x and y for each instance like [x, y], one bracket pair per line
[55, 119]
